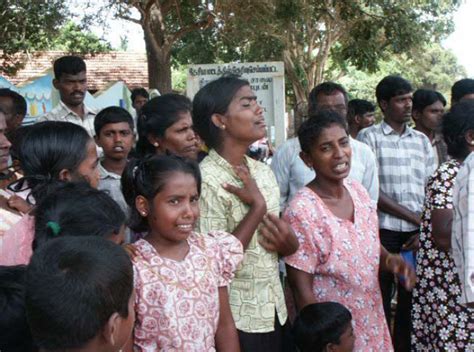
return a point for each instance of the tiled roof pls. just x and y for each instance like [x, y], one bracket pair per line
[102, 69]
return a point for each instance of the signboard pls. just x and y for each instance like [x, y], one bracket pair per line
[267, 80]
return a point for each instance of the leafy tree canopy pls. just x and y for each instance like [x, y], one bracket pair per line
[72, 38]
[306, 34]
[430, 66]
[26, 25]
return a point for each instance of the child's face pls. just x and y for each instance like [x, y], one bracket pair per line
[116, 139]
[347, 340]
[175, 209]
[88, 169]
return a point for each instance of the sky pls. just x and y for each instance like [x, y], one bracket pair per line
[460, 41]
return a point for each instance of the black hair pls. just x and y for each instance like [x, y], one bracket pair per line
[392, 86]
[326, 88]
[71, 65]
[19, 103]
[319, 324]
[214, 98]
[73, 286]
[15, 333]
[425, 97]
[455, 124]
[156, 116]
[78, 210]
[45, 149]
[147, 177]
[15, 138]
[310, 130]
[139, 92]
[111, 114]
[358, 107]
[461, 88]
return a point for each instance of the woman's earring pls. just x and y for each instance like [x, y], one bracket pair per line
[472, 142]
[223, 127]
[143, 213]
[156, 145]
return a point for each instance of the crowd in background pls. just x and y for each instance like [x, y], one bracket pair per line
[166, 231]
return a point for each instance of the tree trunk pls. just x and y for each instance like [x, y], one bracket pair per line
[159, 73]
[159, 69]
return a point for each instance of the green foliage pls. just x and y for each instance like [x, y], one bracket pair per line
[26, 25]
[71, 38]
[431, 67]
[309, 34]
[179, 75]
[383, 28]
[165, 23]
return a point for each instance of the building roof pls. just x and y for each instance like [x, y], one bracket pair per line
[102, 69]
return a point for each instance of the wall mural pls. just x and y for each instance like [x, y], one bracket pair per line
[41, 97]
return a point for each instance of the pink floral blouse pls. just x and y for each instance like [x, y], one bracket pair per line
[16, 244]
[344, 259]
[177, 302]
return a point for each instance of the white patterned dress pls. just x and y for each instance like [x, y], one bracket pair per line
[177, 302]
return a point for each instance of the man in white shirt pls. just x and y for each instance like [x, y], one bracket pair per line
[70, 79]
[292, 173]
[462, 237]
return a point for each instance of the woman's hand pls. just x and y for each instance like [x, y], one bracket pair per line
[249, 194]
[131, 250]
[412, 244]
[277, 236]
[18, 203]
[395, 264]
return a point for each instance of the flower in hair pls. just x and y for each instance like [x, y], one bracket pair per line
[134, 171]
[54, 226]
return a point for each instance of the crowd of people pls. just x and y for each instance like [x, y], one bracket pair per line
[162, 232]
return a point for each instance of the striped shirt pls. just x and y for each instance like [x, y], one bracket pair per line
[405, 162]
[462, 237]
[62, 113]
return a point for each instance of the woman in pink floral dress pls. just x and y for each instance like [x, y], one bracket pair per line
[336, 224]
[180, 276]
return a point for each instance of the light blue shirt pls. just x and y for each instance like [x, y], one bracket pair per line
[292, 173]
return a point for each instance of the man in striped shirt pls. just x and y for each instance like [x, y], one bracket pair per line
[405, 161]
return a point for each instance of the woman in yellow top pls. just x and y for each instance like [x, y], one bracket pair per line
[240, 195]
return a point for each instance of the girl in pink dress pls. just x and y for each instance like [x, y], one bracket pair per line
[336, 224]
[50, 152]
[181, 276]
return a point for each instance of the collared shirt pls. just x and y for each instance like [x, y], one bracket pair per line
[256, 291]
[62, 113]
[404, 162]
[292, 174]
[462, 237]
[110, 182]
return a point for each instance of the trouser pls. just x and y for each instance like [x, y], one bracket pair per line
[393, 242]
[278, 340]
